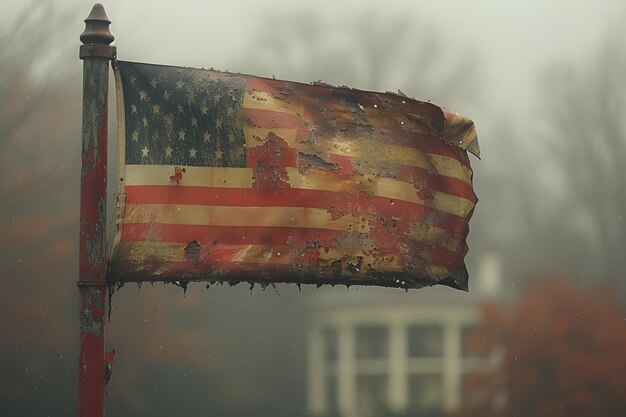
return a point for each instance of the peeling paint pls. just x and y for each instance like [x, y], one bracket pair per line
[356, 268]
[336, 268]
[192, 251]
[310, 160]
[92, 250]
[178, 175]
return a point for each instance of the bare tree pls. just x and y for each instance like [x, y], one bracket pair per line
[39, 162]
[30, 67]
[36, 98]
[398, 52]
[585, 146]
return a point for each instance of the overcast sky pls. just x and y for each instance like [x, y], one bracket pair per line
[512, 38]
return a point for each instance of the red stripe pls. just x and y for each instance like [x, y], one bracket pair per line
[422, 141]
[270, 119]
[447, 258]
[318, 95]
[421, 178]
[285, 89]
[314, 96]
[222, 244]
[273, 154]
[338, 203]
[415, 175]
[273, 87]
[226, 235]
[290, 157]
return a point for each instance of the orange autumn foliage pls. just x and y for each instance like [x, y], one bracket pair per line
[563, 354]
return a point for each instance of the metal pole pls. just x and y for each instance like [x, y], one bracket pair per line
[96, 53]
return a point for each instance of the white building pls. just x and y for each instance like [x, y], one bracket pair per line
[376, 352]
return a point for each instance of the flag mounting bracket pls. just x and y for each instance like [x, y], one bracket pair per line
[97, 51]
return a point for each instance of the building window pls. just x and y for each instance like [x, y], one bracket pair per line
[426, 394]
[371, 395]
[372, 342]
[332, 404]
[471, 346]
[425, 340]
[330, 344]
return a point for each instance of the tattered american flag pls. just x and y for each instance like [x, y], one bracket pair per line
[230, 177]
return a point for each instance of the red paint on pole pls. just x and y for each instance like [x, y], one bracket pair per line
[91, 365]
[96, 54]
[92, 269]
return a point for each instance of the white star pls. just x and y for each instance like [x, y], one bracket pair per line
[180, 109]
[168, 152]
[156, 109]
[207, 136]
[154, 83]
[192, 152]
[218, 154]
[166, 95]
[133, 78]
[181, 135]
[218, 123]
[135, 136]
[179, 84]
[169, 119]
[194, 122]
[143, 95]
[230, 111]
[240, 153]
[144, 152]
[204, 109]
[231, 137]
[145, 121]
[133, 109]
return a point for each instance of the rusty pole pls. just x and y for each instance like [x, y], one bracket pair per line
[96, 53]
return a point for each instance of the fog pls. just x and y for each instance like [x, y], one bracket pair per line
[543, 82]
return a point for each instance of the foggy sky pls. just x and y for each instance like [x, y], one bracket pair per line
[512, 39]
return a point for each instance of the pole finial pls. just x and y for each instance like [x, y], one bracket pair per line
[97, 37]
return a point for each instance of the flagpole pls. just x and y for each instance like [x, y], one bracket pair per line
[96, 52]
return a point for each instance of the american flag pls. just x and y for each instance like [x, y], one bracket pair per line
[230, 177]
